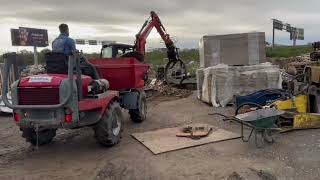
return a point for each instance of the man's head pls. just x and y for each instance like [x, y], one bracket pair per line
[64, 29]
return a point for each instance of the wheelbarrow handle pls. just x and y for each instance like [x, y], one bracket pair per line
[226, 118]
[219, 114]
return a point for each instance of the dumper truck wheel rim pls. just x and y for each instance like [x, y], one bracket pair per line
[116, 124]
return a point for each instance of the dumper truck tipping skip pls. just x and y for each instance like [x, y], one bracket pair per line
[75, 92]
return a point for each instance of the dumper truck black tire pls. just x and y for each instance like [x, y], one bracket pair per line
[108, 130]
[44, 136]
[140, 114]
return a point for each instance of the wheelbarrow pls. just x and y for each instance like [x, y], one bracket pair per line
[262, 122]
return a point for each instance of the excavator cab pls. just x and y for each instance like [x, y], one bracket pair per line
[115, 50]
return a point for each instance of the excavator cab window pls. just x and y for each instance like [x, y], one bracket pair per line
[115, 50]
[120, 52]
[106, 52]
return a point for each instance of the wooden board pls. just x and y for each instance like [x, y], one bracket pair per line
[165, 140]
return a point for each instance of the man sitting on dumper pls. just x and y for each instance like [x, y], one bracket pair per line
[66, 45]
[63, 43]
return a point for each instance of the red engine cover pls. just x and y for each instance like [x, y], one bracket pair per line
[44, 89]
[122, 73]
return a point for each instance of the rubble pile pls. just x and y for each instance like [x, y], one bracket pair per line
[284, 63]
[32, 70]
[292, 70]
[167, 90]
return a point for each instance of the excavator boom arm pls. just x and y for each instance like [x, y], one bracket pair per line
[154, 22]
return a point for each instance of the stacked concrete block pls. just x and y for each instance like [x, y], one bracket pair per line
[206, 87]
[232, 49]
[222, 83]
[200, 78]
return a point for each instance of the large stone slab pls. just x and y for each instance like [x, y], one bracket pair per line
[232, 49]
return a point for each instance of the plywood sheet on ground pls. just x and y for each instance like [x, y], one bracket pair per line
[164, 140]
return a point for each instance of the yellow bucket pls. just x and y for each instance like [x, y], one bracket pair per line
[304, 121]
[299, 103]
[284, 105]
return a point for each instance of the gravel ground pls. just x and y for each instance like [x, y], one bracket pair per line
[74, 154]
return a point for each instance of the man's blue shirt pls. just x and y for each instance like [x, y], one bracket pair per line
[63, 44]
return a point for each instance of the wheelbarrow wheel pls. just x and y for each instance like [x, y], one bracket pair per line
[267, 136]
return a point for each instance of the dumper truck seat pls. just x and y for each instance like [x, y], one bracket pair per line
[56, 63]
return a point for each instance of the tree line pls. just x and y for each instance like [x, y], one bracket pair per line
[25, 57]
[154, 58]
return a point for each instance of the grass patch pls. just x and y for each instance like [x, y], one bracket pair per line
[287, 51]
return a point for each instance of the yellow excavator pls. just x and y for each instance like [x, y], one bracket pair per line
[312, 79]
[306, 105]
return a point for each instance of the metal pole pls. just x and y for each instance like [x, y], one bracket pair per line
[294, 38]
[273, 37]
[35, 55]
[15, 72]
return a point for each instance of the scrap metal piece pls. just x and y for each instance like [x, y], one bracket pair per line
[194, 131]
[175, 72]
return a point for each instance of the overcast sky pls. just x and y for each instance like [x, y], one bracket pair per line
[185, 20]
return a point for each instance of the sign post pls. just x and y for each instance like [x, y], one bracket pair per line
[273, 37]
[35, 55]
[276, 25]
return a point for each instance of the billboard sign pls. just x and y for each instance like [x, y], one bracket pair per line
[288, 27]
[277, 24]
[92, 42]
[80, 41]
[300, 34]
[33, 37]
[107, 42]
[15, 37]
[295, 33]
[29, 37]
